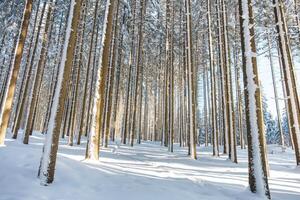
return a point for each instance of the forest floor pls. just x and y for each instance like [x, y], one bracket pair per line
[146, 171]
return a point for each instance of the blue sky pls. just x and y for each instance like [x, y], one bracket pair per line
[265, 76]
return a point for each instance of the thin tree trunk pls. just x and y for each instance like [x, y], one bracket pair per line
[215, 134]
[131, 64]
[83, 108]
[275, 92]
[120, 63]
[138, 68]
[94, 137]
[38, 77]
[114, 46]
[191, 86]
[289, 76]
[59, 50]
[222, 80]
[27, 73]
[285, 98]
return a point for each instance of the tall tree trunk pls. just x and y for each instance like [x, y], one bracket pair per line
[131, 65]
[120, 63]
[7, 74]
[285, 98]
[222, 80]
[213, 75]
[111, 80]
[169, 72]
[6, 107]
[191, 86]
[48, 160]
[59, 51]
[38, 77]
[254, 117]
[239, 103]
[87, 75]
[94, 136]
[90, 99]
[23, 94]
[275, 92]
[138, 68]
[289, 76]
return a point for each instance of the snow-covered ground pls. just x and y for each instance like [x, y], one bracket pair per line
[147, 171]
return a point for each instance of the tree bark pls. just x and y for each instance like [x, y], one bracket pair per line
[48, 160]
[38, 77]
[289, 76]
[191, 86]
[254, 117]
[94, 137]
[9, 93]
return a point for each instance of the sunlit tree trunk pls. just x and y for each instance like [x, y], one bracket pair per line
[169, 134]
[119, 65]
[59, 50]
[99, 99]
[77, 68]
[27, 73]
[289, 75]
[138, 68]
[131, 64]
[48, 160]
[254, 117]
[6, 105]
[38, 78]
[213, 90]
[87, 75]
[91, 93]
[191, 86]
[226, 74]
[222, 81]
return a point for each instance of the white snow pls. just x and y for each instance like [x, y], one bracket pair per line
[147, 171]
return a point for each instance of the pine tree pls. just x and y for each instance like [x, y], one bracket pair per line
[213, 84]
[191, 86]
[94, 135]
[254, 118]
[48, 160]
[289, 75]
[38, 77]
[6, 106]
